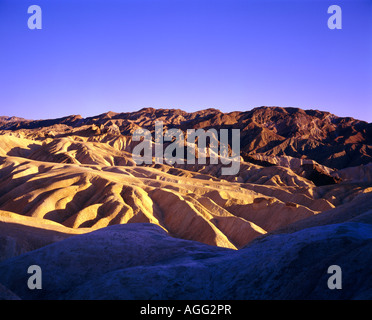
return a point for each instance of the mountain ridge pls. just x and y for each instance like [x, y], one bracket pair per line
[336, 142]
[79, 173]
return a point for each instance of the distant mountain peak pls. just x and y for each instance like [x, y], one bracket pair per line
[11, 119]
[335, 142]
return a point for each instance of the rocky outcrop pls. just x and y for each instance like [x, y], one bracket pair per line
[140, 261]
[329, 140]
[80, 173]
[73, 201]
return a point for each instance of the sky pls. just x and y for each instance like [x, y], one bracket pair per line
[94, 56]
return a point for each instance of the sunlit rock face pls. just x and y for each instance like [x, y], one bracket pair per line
[73, 200]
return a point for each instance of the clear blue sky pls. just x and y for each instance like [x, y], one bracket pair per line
[94, 56]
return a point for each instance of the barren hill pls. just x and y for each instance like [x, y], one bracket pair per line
[79, 172]
[65, 183]
[267, 132]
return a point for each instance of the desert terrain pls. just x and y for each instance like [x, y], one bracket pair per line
[74, 202]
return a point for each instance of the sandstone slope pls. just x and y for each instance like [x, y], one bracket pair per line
[79, 173]
[73, 201]
[140, 261]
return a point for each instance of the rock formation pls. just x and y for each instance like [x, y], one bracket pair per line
[72, 198]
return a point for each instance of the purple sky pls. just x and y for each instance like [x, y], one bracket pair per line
[94, 56]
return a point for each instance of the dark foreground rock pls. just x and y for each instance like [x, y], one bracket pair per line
[141, 261]
[6, 294]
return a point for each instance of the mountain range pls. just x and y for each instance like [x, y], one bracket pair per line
[303, 189]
